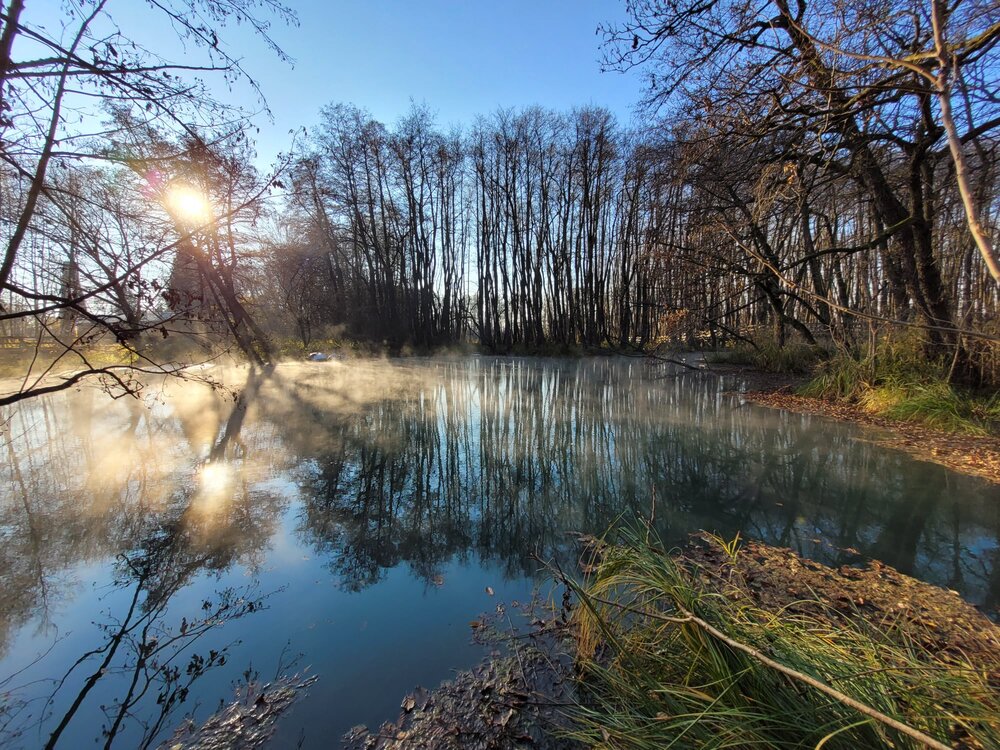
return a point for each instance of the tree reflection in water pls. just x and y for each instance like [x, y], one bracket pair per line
[502, 458]
[161, 534]
[151, 663]
[371, 465]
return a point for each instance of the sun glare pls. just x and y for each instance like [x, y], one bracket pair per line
[215, 479]
[188, 204]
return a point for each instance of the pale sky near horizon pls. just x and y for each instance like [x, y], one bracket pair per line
[462, 59]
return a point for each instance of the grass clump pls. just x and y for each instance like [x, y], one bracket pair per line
[894, 379]
[767, 355]
[654, 675]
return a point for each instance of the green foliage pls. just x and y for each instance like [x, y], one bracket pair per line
[895, 379]
[653, 678]
[849, 373]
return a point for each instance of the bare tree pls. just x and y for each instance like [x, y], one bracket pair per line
[845, 94]
[66, 98]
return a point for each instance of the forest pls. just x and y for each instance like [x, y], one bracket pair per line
[515, 405]
[805, 174]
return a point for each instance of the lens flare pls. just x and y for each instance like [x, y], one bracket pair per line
[188, 204]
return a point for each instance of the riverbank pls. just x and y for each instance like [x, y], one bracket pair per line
[969, 454]
[976, 455]
[890, 386]
[729, 646]
[505, 703]
[689, 646]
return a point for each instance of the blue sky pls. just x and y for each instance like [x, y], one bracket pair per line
[460, 58]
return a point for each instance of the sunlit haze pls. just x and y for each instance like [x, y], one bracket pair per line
[188, 204]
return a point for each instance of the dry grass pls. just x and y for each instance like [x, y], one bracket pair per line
[653, 677]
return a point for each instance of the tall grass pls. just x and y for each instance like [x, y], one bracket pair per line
[653, 676]
[765, 354]
[893, 378]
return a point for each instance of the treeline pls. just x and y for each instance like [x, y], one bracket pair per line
[839, 163]
[804, 173]
[841, 177]
[528, 230]
[537, 228]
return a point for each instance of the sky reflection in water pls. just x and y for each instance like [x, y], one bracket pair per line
[349, 517]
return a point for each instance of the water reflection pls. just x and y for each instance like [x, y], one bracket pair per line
[429, 463]
[501, 459]
[140, 667]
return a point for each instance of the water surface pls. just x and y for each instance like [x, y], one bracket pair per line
[349, 517]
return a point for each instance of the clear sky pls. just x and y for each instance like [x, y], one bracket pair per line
[461, 58]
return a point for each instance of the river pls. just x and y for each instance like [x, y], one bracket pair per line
[348, 519]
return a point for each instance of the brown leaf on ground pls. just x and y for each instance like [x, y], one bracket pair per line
[502, 704]
[938, 619]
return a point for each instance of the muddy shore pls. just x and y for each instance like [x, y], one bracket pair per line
[968, 454]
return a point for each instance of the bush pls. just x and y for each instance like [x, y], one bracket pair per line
[767, 355]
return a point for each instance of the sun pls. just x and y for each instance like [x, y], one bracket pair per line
[188, 204]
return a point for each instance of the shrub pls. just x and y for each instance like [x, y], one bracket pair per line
[767, 355]
[894, 379]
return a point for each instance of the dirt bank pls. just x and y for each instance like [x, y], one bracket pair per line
[968, 454]
[914, 611]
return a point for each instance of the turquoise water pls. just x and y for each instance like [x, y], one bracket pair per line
[346, 519]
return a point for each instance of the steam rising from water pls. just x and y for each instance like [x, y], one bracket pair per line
[584, 439]
[372, 467]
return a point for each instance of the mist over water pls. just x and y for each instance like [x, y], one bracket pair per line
[348, 517]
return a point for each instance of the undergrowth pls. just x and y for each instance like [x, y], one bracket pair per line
[653, 677]
[767, 355]
[15, 361]
[895, 379]
[292, 348]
